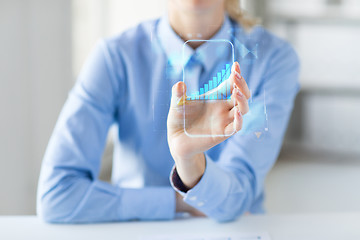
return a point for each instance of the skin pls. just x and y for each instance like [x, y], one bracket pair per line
[199, 18]
[204, 17]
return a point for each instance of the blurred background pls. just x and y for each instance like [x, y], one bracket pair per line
[43, 45]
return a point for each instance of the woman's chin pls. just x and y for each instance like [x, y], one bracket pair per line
[198, 5]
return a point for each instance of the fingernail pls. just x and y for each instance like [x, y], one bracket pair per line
[237, 75]
[237, 68]
[239, 112]
[181, 100]
[239, 93]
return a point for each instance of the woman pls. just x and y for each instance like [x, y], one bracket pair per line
[127, 80]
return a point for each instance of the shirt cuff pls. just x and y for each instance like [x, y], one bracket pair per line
[177, 183]
[151, 203]
[209, 192]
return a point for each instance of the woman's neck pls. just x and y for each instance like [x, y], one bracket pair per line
[195, 24]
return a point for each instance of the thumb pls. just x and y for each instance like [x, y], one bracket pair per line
[178, 95]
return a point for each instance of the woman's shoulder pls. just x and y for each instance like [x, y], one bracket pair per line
[265, 40]
[259, 47]
[255, 36]
[135, 36]
[267, 53]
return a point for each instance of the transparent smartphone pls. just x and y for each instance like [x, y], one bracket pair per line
[207, 104]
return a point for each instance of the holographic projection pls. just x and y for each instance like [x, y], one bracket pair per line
[206, 88]
[248, 52]
[243, 49]
[207, 103]
[217, 88]
[255, 122]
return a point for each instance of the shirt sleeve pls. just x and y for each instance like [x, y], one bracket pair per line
[233, 181]
[69, 190]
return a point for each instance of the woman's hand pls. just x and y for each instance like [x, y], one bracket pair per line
[225, 115]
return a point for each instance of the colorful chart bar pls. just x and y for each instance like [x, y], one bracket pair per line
[197, 95]
[206, 88]
[223, 93]
[228, 71]
[215, 86]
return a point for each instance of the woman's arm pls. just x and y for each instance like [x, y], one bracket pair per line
[230, 183]
[69, 190]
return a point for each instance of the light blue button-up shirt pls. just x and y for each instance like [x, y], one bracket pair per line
[127, 81]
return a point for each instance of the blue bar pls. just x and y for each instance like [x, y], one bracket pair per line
[228, 89]
[193, 96]
[219, 79]
[206, 86]
[210, 85]
[215, 85]
[223, 91]
[227, 92]
[228, 71]
[201, 93]
[197, 94]
[223, 73]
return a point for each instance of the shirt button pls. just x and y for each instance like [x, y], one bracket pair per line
[200, 204]
[193, 198]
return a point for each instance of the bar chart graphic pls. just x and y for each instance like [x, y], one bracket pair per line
[205, 108]
[216, 89]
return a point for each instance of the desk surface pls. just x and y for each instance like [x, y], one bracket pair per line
[339, 226]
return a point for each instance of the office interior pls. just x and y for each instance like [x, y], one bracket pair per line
[44, 44]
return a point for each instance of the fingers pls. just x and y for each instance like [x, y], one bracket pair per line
[236, 124]
[240, 101]
[238, 121]
[178, 94]
[238, 80]
[224, 89]
[197, 213]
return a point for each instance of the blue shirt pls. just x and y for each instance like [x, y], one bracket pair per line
[127, 81]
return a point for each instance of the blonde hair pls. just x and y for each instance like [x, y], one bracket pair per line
[235, 12]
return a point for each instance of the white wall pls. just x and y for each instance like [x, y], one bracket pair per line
[35, 76]
[319, 169]
[94, 19]
[326, 38]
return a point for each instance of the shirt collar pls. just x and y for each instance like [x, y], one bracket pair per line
[179, 54]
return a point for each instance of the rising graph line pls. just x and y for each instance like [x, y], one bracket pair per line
[211, 90]
[218, 79]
